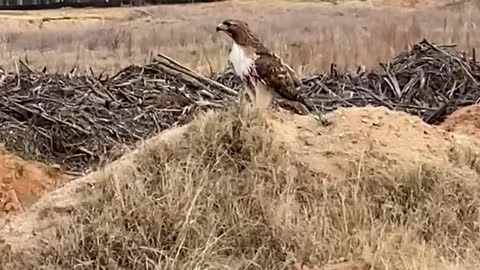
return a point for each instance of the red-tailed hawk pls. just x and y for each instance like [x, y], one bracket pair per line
[262, 72]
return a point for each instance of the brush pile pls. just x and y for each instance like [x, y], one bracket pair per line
[429, 81]
[79, 122]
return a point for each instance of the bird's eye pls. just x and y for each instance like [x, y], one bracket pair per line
[228, 24]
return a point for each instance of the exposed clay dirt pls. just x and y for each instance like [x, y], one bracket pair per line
[464, 121]
[23, 182]
[332, 149]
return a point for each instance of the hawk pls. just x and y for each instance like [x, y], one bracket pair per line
[262, 72]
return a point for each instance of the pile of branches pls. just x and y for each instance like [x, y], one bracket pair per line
[79, 122]
[428, 81]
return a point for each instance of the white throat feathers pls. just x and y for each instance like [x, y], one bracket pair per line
[240, 61]
[261, 96]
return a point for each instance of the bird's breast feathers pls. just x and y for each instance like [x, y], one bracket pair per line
[242, 60]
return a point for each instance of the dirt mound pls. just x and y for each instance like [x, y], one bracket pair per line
[235, 188]
[332, 149]
[464, 121]
[23, 182]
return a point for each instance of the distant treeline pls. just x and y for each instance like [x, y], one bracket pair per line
[53, 4]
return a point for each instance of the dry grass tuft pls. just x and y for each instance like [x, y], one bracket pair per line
[466, 155]
[228, 195]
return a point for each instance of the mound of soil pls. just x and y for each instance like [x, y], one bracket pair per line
[23, 182]
[359, 139]
[332, 149]
[464, 121]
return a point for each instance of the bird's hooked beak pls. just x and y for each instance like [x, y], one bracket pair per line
[221, 27]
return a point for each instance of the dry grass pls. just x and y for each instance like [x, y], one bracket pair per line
[224, 196]
[308, 35]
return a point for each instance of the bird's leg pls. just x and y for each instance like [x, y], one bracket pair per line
[263, 96]
[251, 94]
[248, 90]
[241, 96]
[245, 97]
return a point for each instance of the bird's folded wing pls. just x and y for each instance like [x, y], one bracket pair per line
[293, 74]
[276, 75]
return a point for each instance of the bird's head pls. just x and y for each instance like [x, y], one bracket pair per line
[238, 30]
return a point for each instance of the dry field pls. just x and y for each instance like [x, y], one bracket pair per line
[310, 35]
[237, 189]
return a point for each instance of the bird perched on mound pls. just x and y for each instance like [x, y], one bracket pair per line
[263, 73]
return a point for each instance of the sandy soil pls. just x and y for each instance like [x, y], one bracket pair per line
[331, 150]
[23, 182]
[464, 121]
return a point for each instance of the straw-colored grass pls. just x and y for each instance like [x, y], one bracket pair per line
[308, 35]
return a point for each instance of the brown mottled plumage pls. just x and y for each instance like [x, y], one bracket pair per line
[263, 73]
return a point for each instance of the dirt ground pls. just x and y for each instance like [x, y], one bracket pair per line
[23, 182]
[331, 150]
[465, 121]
